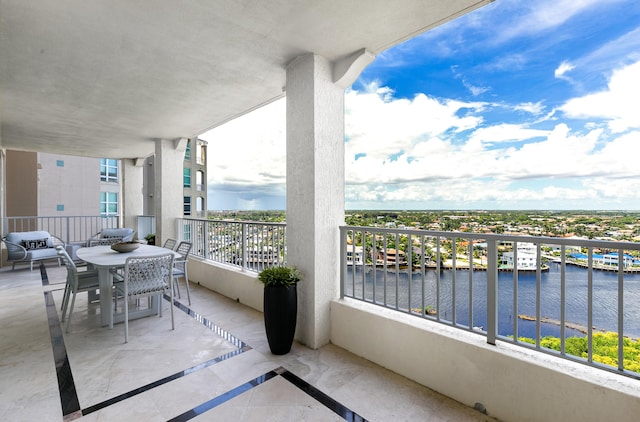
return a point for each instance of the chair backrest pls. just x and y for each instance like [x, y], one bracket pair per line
[148, 274]
[17, 242]
[107, 241]
[72, 270]
[123, 233]
[111, 236]
[183, 249]
[169, 244]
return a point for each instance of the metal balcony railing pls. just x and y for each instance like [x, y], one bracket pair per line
[68, 228]
[245, 244]
[567, 297]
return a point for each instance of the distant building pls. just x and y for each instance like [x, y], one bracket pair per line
[41, 184]
[194, 180]
[527, 257]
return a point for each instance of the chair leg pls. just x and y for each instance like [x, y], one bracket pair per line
[115, 308]
[171, 310]
[126, 319]
[65, 297]
[73, 301]
[65, 302]
[186, 281]
[176, 286]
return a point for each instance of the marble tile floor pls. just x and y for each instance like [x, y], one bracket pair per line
[215, 366]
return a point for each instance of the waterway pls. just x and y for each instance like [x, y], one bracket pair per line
[605, 298]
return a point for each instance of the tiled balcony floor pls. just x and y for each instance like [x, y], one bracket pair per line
[216, 365]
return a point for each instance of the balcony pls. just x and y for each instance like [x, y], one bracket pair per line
[137, 110]
[434, 341]
[216, 365]
[460, 346]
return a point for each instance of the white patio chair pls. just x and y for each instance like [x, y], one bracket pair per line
[180, 268]
[169, 244]
[107, 241]
[77, 282]
[146, 276]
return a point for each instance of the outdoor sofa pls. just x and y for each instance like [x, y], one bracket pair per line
[31, 246]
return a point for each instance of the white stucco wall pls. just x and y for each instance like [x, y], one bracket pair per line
[513, 383]
[229, 281]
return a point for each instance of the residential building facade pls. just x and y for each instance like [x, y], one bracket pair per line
[62, 185]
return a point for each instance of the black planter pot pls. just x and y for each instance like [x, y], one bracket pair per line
[280, 311]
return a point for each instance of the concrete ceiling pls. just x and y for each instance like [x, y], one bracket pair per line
[106, 78]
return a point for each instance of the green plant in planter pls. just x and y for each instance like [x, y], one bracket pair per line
[280, 306]
[151, 238]
[279, 276]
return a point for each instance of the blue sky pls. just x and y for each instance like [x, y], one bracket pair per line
[518, 105]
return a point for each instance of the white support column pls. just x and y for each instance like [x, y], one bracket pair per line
[315, 190]
[168, 194]
[132, 195]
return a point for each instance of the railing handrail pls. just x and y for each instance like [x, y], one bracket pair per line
[249, 245]
[69, 228]
[547, 240]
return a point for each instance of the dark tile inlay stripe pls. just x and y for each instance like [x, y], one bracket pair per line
[332, 404]
[318, 395]
[68, 395]
[242, 347]
[160, 382]
[210, 325]
[43, 274]
[69, 398]
[217, 401]
[66, 385]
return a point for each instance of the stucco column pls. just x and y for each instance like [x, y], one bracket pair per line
[132, 194]
[168, 193]
[315, 190]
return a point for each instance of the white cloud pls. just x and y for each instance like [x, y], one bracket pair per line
[529, 18]
[449, 166]
[533, 108]
[243, 151]
[380, 125]
[615, 53]
[506, 133]
[618, 104]
[563, 68]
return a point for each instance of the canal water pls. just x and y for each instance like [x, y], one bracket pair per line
[605, 297]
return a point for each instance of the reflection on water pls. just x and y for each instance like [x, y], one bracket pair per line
[605, 297]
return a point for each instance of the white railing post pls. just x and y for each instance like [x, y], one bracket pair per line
[492, 291]
[244, 246]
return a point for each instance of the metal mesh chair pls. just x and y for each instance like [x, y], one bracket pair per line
[84, 281]
[180, 267]
[146, 276]
[169, 244]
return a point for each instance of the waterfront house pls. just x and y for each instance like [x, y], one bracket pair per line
[527, 257]
[391, 256]
[355, 255]
[609, 260]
